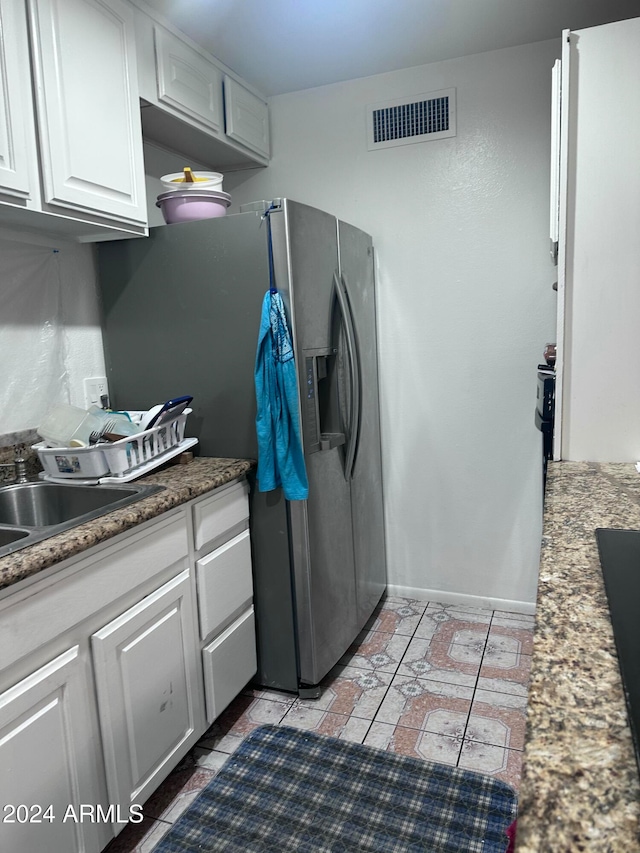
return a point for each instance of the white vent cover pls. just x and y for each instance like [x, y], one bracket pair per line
[413, 119]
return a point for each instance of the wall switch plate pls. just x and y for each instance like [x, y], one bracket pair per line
[94, 389]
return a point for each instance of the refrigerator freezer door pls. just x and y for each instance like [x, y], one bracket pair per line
[321, 529]
[357, 274]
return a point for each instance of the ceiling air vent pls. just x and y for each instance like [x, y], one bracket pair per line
[413, 119]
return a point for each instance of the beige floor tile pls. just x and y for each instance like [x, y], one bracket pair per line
[529, 618]
[449, 662]
[351, 690]
[412, 702]
[497, 761]
[377, 650]
[412, 742]
[510, 667]
[498, 719]
[505, 638]
[503, 685]
[443, 626]
[397, 616]
[326, 723]
[213, 759]
[243, 716]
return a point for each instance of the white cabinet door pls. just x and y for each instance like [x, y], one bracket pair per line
[49, 764]
[17, 140]
[87, 106]
[187, 82]
[149, 690]
[246, 117]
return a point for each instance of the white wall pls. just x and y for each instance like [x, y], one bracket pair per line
[465, 303]
[50, 337]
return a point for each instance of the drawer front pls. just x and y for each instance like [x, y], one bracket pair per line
[225, 583]
[221, 516]
[96, 582]
[229, 662]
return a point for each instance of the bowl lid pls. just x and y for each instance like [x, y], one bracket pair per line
[212, 195]
[179, 179]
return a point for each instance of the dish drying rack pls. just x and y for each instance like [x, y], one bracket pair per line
[118, 461]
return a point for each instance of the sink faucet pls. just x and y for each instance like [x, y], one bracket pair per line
[19, 465]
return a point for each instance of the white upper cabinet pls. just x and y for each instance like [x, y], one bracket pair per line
[87, 107]
[187, 81]
[192, 105]
[246, 117]
[17, 141]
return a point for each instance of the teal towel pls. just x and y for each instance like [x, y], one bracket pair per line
[280, 455]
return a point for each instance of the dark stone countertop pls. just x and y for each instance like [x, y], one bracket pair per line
[181, 482]
[580, 786]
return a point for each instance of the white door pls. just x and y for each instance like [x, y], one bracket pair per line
[149, 684]
[48, 763]
[246, 117]
[187, 81]
[88, 108]
[17, 134]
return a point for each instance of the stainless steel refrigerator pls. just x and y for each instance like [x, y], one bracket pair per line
[181, 314]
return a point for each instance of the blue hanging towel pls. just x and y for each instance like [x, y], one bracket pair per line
[280, 456]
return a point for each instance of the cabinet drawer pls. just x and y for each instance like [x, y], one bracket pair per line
[229, 663]
[94, 583]
[221, 516]
[225, 584]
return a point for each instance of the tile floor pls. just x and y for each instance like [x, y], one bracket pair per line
[436, 681]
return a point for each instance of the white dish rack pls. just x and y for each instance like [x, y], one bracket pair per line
[118, 461]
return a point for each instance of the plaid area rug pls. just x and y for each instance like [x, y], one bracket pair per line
[290, 790]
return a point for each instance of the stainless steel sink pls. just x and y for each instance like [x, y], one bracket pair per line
[31, 512]
[11, 534]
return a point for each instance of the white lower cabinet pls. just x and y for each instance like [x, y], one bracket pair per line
[111, 669]
[149, 690]
[50, 780]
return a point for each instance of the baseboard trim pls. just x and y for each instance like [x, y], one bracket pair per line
[488, 602]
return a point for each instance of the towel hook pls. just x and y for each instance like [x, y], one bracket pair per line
[272, 278]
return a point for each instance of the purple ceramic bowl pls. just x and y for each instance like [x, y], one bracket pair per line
[187, 205]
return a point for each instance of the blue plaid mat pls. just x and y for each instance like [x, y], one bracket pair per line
[290, 790]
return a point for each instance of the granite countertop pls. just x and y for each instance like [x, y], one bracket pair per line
[181, 482]
[580, 787]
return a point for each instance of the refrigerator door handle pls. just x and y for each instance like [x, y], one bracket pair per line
[355, 392]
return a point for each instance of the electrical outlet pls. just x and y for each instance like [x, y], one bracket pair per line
[94, 389]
